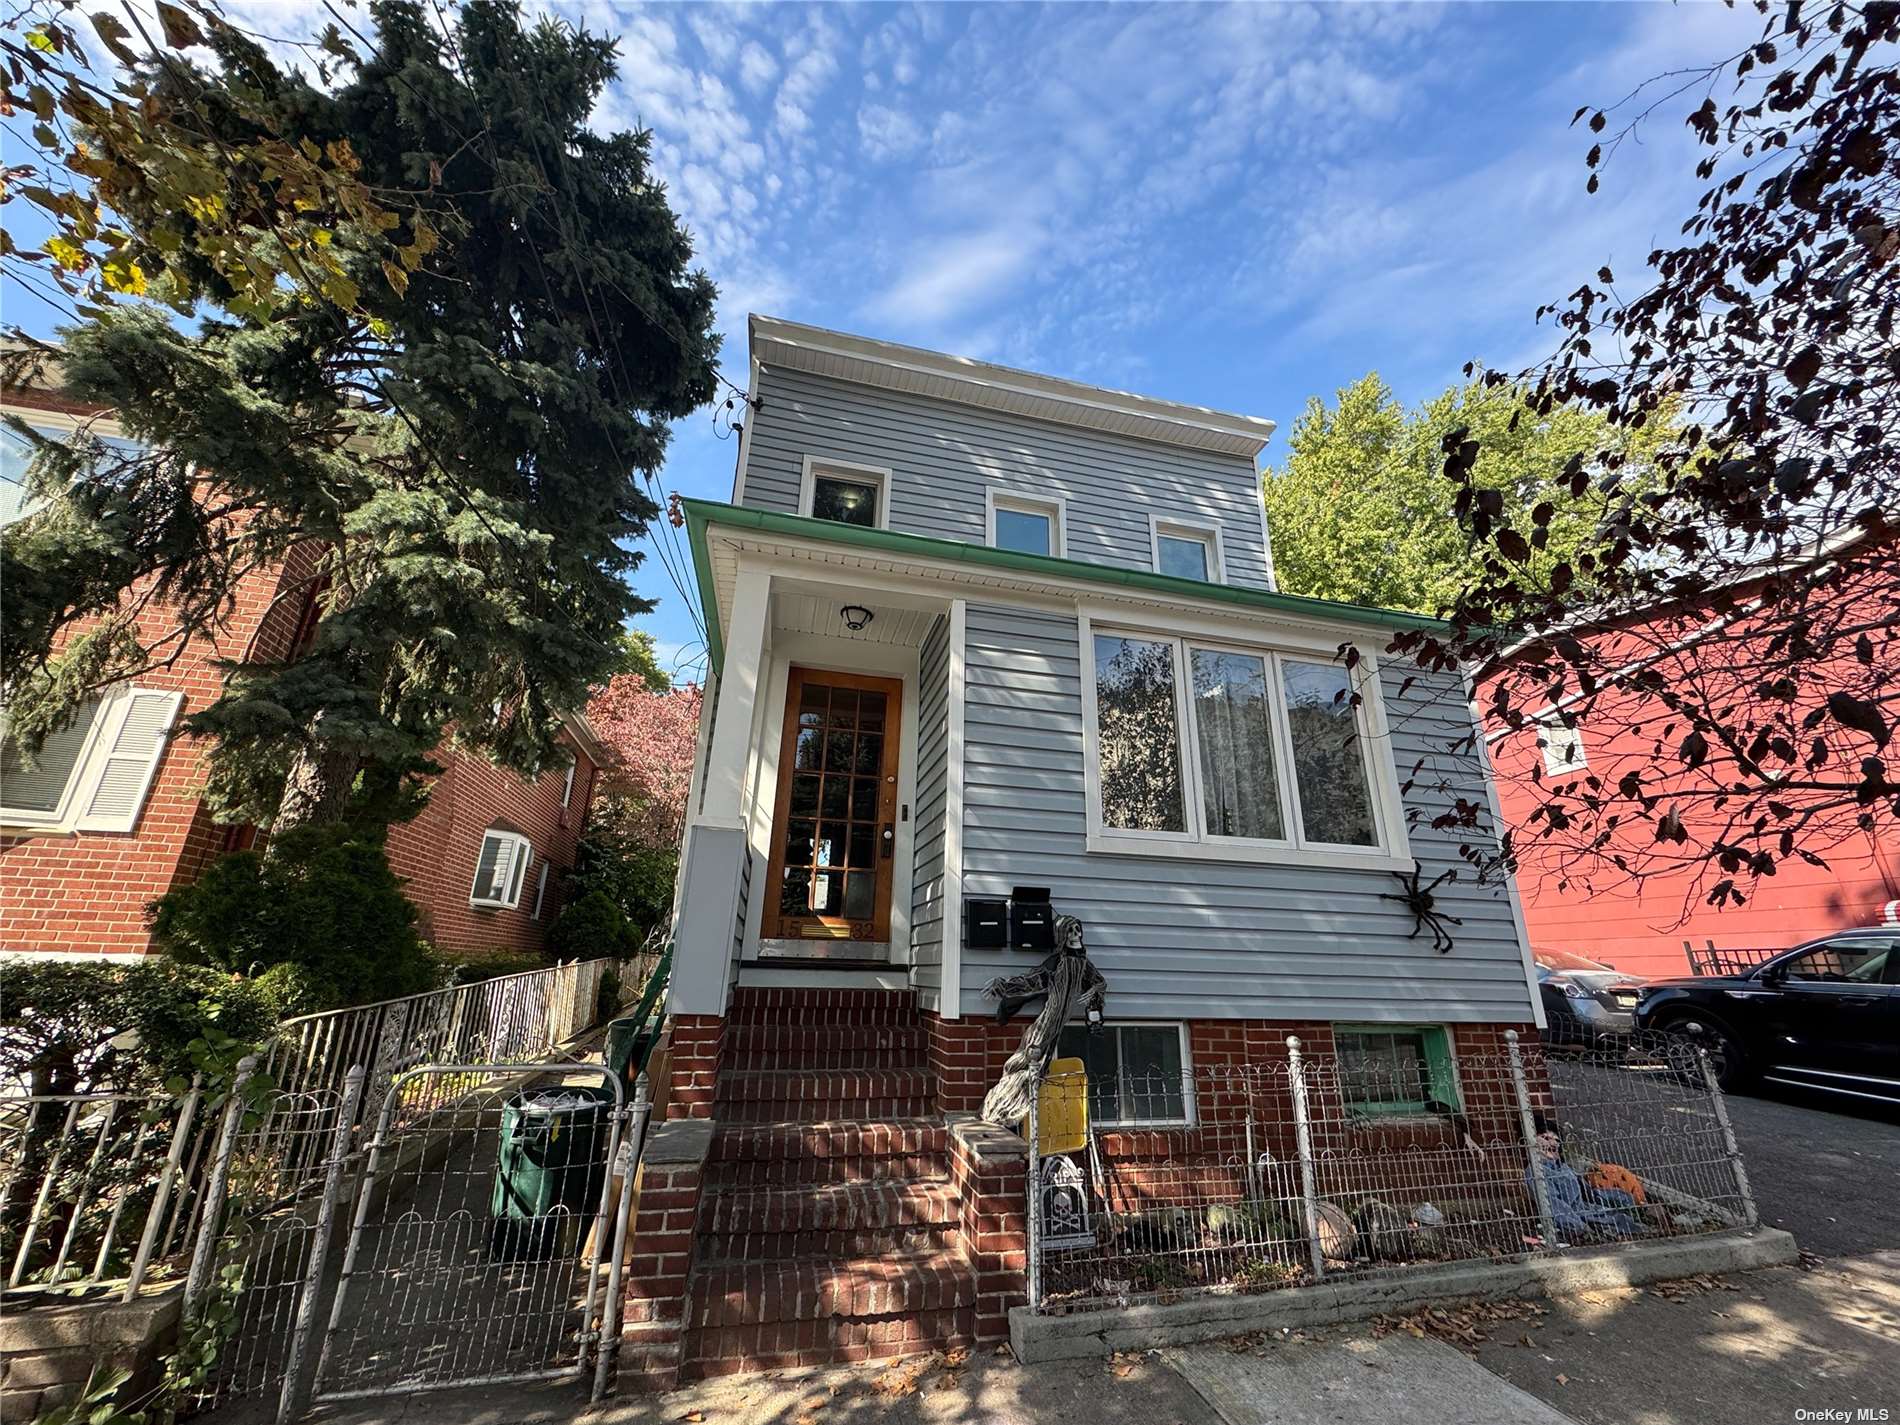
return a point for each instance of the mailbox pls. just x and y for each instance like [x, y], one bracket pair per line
[1032, 919]
[985, 922]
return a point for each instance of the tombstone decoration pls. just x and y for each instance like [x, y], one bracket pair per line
[1065, 1205]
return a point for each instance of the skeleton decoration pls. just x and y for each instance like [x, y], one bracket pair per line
[1071, 984]
[1419, 900]
[1065, 1206]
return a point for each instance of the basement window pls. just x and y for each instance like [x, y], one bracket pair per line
[1402, 1070]
[500, 870]
[1138, 1074]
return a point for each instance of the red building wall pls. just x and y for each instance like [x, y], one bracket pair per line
[1588, 910]
[87, 891]
[437, 851]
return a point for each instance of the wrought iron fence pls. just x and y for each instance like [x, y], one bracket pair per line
[1731, 960]
[97, 1188]
[1307, 1168]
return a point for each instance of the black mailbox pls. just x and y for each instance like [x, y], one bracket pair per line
[1032, 919]
[985, 922]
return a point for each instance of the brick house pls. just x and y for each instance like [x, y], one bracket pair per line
[982, 639]
[111, 818]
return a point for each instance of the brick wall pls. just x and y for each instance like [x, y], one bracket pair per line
[437, 851]
[694, 1042]
[653, 1321]
[988, 1167]
[88, 891]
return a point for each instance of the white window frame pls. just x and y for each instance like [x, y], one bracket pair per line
[520, 857]
[541, 888]
[567, 787]
[1053, 508]
[1188, 1105]
[1206, 534]
[1391, 851]
[1554, 737]
[73, 813]
[816, 466]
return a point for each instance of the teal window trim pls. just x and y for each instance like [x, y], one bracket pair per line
[1440, 1067]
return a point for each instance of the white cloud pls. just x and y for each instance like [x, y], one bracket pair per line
[888, 133]
[952, 276]
[757, 68]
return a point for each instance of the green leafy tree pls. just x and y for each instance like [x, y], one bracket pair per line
[641, 657]
[1361, 510]
[460, 458]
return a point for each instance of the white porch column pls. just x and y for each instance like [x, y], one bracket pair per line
[716, 848]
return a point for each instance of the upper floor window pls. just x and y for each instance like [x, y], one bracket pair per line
[1203, 749]
[845, 494]
[94, 773]
[567, 785]
[500, 870]
[1563, 747]
[16, 454]
[1026, 524]
[1187, 551]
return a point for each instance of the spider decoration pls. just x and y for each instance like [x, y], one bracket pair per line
[1418, 899]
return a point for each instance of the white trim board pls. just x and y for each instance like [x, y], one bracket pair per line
[1189, 531]
[812, 466]
[1054, 508]
[950, 1002]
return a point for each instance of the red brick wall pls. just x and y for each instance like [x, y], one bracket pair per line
[695, 1042]
[88, 891]
[437, 851]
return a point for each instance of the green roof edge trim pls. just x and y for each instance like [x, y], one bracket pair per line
[701, 515]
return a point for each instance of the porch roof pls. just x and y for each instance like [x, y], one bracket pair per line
[1040, 573]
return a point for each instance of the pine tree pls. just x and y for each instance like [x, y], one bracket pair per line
[458, 436]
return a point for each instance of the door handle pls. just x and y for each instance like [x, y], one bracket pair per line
[1862, 1001]
[889, 839]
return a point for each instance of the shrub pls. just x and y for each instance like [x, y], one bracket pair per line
[321, 919]
[70, 1026]
[591, 926]
[635, 877]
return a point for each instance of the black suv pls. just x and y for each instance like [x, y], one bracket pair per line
[1824, 1015]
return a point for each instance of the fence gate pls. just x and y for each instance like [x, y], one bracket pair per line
[481, 1245]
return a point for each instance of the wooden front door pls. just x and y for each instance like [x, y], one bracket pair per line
[835, 825]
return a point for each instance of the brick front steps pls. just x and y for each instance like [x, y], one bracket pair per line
[829, 1228]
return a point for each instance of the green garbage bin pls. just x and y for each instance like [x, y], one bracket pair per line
[626, 1050]
[552, 1164]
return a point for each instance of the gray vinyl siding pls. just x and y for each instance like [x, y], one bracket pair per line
[1216, 939]
[941, 456]
[933, 751]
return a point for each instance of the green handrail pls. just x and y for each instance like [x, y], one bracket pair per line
[644, 1010]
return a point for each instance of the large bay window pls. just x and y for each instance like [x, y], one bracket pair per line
[1200, 747]
[500, 870]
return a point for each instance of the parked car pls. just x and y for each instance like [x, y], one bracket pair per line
[1824, 1015]
[1585, 1002]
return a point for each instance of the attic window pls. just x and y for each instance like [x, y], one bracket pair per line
[843, 493]
[500, 870]
[1186, 551]
[1563, 748]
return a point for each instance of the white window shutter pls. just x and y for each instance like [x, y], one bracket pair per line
[523, 855]
[129, 760]
[540, 890]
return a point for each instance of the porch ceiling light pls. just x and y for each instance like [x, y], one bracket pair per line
[855, 616]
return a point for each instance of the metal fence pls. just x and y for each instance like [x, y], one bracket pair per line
[1303, 1168]
[103, 1190]
[1732, 960]
[97, 1188]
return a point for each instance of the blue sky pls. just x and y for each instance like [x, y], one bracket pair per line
[1239, 207]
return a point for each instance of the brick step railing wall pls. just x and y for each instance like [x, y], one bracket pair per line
[827, 1213]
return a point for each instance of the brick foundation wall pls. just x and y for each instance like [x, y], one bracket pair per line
[653, 1318]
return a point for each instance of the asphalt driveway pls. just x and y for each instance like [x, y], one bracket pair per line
[1825, 1169]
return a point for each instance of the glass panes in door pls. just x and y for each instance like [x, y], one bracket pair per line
[834, 837]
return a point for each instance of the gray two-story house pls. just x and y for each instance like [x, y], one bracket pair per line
[976, 634]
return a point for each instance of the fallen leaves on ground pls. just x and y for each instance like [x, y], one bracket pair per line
[1687, 1288]
[1123, 1364]
[1463, 1326]
[906, 1377]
